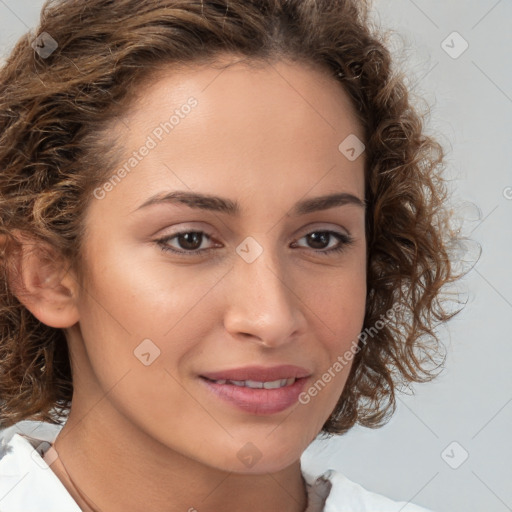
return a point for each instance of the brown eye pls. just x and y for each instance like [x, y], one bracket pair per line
[319, 240]
[189, 242]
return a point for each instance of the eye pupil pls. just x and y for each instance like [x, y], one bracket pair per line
[321, 237]
[192, 239]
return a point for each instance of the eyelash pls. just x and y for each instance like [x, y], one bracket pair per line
[345, 241]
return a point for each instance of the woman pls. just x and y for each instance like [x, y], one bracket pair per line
[224, 233]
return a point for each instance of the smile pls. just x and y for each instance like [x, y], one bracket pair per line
[256, 397]
[274, 384]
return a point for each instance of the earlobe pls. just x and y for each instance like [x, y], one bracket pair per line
[43, 283]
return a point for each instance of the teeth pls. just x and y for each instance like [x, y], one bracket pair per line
[275, 384]
[259, 385]
[253, 384]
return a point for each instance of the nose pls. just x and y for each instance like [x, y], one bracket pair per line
[264, 305]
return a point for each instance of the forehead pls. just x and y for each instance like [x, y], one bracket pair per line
[299, 87]
[240, 128]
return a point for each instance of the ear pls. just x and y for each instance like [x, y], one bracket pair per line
[41, 280]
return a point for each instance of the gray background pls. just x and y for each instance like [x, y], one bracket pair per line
[470, 403]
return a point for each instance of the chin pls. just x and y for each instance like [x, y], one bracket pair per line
[256, 457]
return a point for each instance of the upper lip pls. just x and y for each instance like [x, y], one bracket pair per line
[259, 373]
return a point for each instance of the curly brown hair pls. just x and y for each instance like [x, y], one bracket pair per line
[55, 110]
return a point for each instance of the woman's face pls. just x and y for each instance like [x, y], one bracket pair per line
[260, 286]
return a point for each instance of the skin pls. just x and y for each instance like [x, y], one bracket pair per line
[151, 437]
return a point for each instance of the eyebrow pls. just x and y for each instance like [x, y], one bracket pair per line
[229, 207]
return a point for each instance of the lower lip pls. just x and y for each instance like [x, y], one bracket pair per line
[258, 401]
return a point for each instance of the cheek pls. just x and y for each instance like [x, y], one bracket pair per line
[340, 310]
[340, 303]
[137, 330]
[142, 316]
[139, 293]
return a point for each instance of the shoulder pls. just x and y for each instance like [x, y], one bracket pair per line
[344, 495]
[26, 482]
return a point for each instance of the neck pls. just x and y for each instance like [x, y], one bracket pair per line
[106, 463]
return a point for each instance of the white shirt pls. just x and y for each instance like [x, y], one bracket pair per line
[27, 483]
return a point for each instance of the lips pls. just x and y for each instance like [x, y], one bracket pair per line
[255, 401]
[259, 373]
[257, 389]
